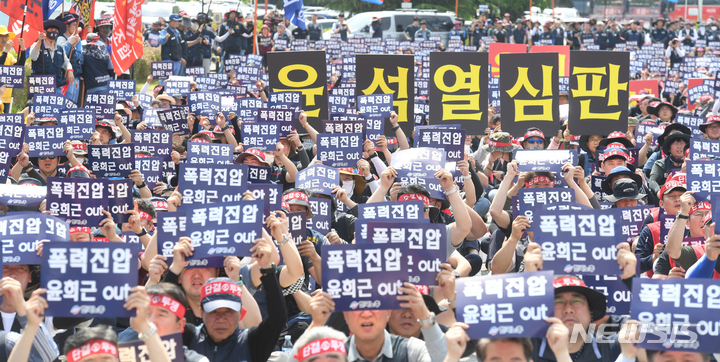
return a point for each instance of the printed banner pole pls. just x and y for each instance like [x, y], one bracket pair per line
[22, 27]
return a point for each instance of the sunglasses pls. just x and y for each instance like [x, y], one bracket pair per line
[533, 141]
[46, 157]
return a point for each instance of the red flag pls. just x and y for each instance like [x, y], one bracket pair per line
[34, 16]
[84, 9]
[127, 38]
[29, 36]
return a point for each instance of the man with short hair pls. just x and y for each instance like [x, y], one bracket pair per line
[221, 301]
[519, 34]
[170, 41]
[314, 29]
[423, 33]
[649, 246]
[191, 281]
[369, 338]
[70, 41]
[498, 33]
[53, 60]
[477, 32]
[577, 307]
[635, 35]
[167, 313]
[411, 29]
[341, 27]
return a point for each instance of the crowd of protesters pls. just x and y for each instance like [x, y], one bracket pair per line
[244, 310]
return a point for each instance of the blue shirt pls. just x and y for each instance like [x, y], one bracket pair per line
[162, 40]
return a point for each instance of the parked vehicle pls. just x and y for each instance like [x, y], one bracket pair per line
[395, 22]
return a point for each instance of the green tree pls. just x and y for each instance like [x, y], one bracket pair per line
[466, 9]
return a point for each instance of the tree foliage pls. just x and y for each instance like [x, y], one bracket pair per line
[466, 8]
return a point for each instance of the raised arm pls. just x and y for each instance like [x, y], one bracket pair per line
[496, 208]
[386, 180]
[677, 231]
[310, 130]
[402, 139]
[461, 227]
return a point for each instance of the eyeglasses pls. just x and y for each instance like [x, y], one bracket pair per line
[533, 141]
[595, 139]
[47, 157]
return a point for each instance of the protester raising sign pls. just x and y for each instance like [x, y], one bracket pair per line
[451, 140]
[86, 279]
[339, 149]
[300, 73]
[80, 200]
[459, 89]
[386, 211]
[529, 92]
[678, 311]
[700, 149]
[261, 135]
[418, 162]
[269, 194]
[21, 232]
[161, 70]
[578, 242]
[507, 305]
[209, 153]
[151, 169]
[423, 244]
[137, 350]
[322, 218]
[546, 161]
[320, 179]
[703, 178]
[598, 92]
[45, 141]
[216, 183]
[283, 117]
[111, 160]
[384, 74]
[158, 143]
[616, 292]
[227, 228]
[363, 276]
[375, 105]
[22, 195]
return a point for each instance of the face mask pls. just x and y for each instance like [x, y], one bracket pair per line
[349, 186]
[195, 26]
[269, 157]
[53, 35]
[714, 28]
[106, 30]
[534, 147]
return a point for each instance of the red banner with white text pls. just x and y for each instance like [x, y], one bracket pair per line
[127, 46]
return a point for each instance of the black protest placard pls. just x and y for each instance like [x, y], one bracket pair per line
[383, 74]
[459, 89]
[599, 92]
[300, 73]
[529, 92]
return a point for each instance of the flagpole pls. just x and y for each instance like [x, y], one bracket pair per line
[255, 44]
[22, 27]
